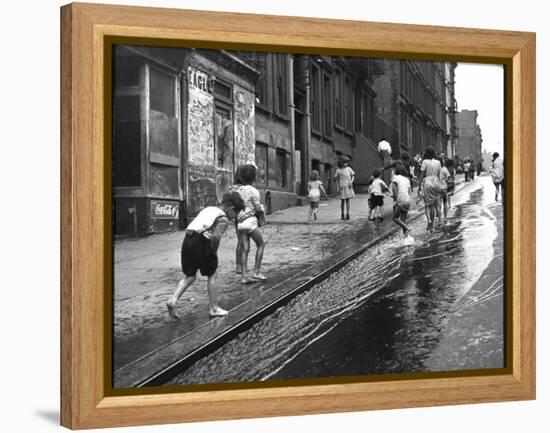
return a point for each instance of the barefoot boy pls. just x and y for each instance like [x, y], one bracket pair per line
[199, 248]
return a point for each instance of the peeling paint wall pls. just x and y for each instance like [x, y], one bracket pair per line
[245, 143]
[200, 143]
[200, 130]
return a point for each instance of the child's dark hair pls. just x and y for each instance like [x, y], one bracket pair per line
[400, 169]
[238, 175]
[376, 173]
[233, 199]
[341, 163]
[314, 175]
[449, 163]
[247, 174]
[430, 152]
[405, 157]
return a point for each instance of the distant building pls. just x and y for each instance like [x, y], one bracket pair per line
[416, 99]
[469, 135]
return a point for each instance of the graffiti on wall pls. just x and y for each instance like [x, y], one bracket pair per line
[200, 135]
[202, 188]
[244, 138]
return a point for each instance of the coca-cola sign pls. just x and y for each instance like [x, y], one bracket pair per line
[161, 209]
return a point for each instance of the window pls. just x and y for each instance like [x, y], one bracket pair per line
[223, 91]
[261, 163]
[127, 141]
[338, 103]
[281, 82]
[348, 107]
[262, 94]
[327, 106]
[404, 128]
[162, 92]
[315, 98]
[281, 169]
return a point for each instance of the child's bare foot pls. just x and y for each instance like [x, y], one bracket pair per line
[259, 277]
[217, 312]
[247, 280]
[172, 310]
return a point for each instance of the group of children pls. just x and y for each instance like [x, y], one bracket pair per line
[240, 204]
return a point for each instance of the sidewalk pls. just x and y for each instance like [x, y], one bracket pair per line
[147, 270]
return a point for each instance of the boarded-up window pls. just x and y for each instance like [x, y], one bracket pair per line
[261, 163]
[281, 173]
[127, 141]
[162, 92]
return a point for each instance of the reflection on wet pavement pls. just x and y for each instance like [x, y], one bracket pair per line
[388, 311]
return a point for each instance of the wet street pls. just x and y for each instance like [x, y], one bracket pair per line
[436, 305]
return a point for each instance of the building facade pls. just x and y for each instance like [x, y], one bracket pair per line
[416, 99]
[469, 136]
[184, 119]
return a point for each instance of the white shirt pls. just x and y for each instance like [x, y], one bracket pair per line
[204, 223]
[378, 186]
[403, 188]
[497, 171]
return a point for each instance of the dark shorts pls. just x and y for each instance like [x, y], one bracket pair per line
[376, 200]
[196, 254]
[313, 204]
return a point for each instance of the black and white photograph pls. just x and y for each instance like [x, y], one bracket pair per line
[284, 216]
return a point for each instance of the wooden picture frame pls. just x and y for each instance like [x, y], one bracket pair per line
[86, 29]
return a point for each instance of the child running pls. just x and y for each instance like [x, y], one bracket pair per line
[199, 250]
[444, 176]
[314, 188]
[401, 193]
[450, 164]
[378, 189]
[248, 226]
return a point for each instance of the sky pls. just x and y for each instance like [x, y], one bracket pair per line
[481, 87]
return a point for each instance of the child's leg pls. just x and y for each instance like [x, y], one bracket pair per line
[258, 239]
[342, 207]
[347, 207]
[310, 211]
[397, 213]
[212, 286]
[238, 254]
[445, 207]
[181, 287]
[244, 257]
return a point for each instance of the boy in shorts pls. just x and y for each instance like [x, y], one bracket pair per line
[199, 250]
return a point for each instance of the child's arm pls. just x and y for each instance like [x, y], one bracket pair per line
[385, 187]
[323, 190]
[394, 188]
[219, 230]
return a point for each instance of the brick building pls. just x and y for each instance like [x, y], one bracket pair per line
[469, 135]
[416, 99]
